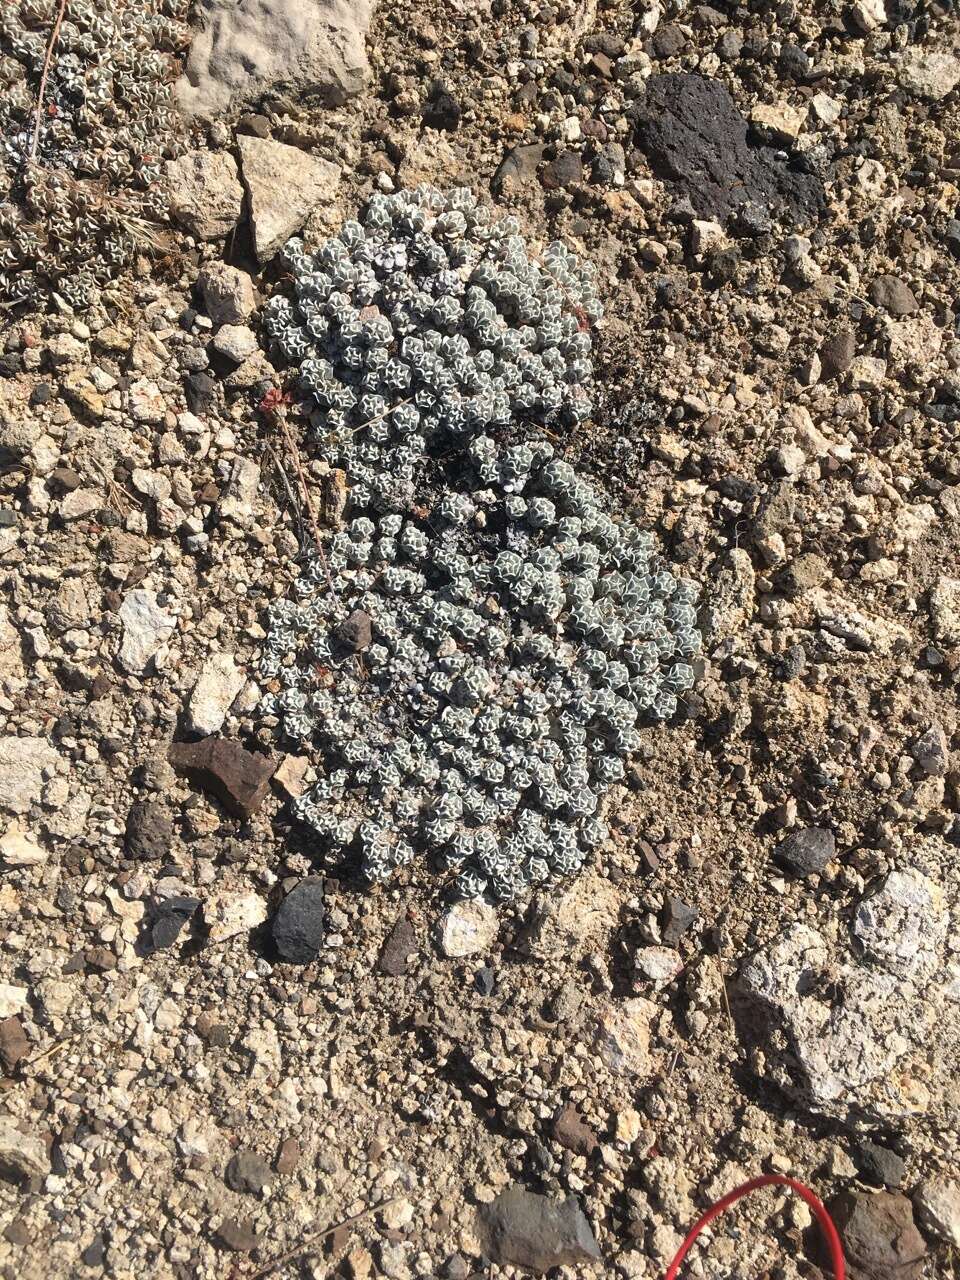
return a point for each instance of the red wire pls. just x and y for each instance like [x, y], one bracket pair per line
[824, 1221]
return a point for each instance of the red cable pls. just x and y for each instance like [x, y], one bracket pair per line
[824, 1221]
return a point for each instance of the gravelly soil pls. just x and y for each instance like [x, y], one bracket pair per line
[778, 400]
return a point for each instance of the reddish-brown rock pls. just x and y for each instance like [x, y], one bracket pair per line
[238, 778]
[571, 1131]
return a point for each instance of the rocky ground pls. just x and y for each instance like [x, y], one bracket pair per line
[761, 971]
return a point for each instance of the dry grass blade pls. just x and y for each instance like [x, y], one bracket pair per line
[279, 416]
[141, 232]
[41, 93]
[56, 1047]
[380, 416]
[310, 1241]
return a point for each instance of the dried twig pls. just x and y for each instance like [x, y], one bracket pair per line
[726, 998]
[310, 1241]
[380, 416]
[294, 501]
[56, 1047]
[278, 414]
[51, 45]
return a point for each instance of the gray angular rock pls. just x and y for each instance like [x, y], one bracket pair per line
[299, 927]
[246, 49]
[219, 682]
[468, 927]
[11, 656]
[23, 762]
[855, 1037]
[18, 848]
[931, 751]
[937, 1202]
[146, 629]
[903, 925]
[945, 610]
[12, 999]
[227, 914]
[623, 1036]
[70, 607]
[284, 185]
[205, 194]
[522, 1229]
[227, 293]
[248, 1171]
[235, 341]
[22, 1155]
[241, 492]
[928, 73]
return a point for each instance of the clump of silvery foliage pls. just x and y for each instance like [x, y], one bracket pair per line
[77, 214]
[519, 634]
[431, 323]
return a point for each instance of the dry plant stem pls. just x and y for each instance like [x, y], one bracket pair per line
[726, 998]
[46, 1053]
[51, 45]
[295, 505]
[310, 1241]
[380, 416]
[280, 418]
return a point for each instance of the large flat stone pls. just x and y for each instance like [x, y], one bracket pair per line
[245, 50]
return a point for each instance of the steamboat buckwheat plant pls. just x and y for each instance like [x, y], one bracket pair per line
[74, 215]
[477, 646]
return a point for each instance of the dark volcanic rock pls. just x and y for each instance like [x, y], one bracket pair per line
[299, 925]
[169, 917]
[239, 779]
[95, 1252]
[442, 111]
[678, 917]
[565, 171]
[518, 166]
[237, 1236]
[807, 851]
[527, 1230]
[149, 831]
[355, 632]
[201, 392]
[894, 295]
[694, 135]
[880, 1238]
[880, 1165]
[668, 41]
[288, 1157]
